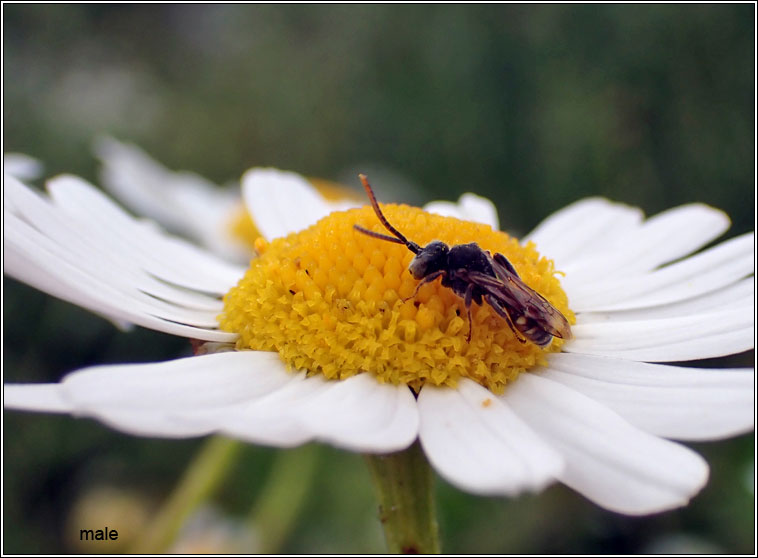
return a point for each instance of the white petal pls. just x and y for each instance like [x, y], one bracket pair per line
[470, 207]
[181, 201]
[145, 185]
[639, 249]
[109, 268]
[672, 234]
[445, 208]
[479, 209]
[60, 265]
[40, 398]
[595, 234]
[701, 335]
[282, 202]
[36, 260]
[609, 461]
[586, 226]
[669, 401]
[261, 423]
[58, 236]
[165, 399]
[84, 245]
[169, 258]
[479, 445]
[22, 166]
[245, 394]
[358, 414]
[708, 271]
[733, 297]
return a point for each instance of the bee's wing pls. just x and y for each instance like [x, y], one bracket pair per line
[501, 265]
[515, 294]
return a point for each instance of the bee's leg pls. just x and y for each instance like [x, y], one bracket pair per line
[428, 279]
[497, 307]
[467, 302]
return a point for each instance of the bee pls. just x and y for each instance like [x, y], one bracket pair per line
[476, 275]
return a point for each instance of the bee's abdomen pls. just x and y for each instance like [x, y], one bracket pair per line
[532, 331]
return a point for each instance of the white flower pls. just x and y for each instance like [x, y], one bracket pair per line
[596, 417]
[183, 202]
[189, 204]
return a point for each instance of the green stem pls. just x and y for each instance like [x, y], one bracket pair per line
[283, 496]
[200, 480]
[404, 485]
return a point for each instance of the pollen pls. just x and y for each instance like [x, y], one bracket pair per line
[334, 301]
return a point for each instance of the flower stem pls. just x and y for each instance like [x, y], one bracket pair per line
[203, 476]
[404, 485]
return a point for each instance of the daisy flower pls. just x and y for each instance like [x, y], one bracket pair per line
[324, 337]
[189, 204]
[214, 216]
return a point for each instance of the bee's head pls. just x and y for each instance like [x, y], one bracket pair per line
[429, 259]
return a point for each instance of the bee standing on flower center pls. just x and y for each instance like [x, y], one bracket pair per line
[476, 275]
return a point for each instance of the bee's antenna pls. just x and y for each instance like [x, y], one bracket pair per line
[412, 246]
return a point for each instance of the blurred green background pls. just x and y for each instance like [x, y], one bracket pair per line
[533, 106]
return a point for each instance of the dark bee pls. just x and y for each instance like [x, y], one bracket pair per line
[476, 275]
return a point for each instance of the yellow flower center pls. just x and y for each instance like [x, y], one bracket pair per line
[330, 300]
